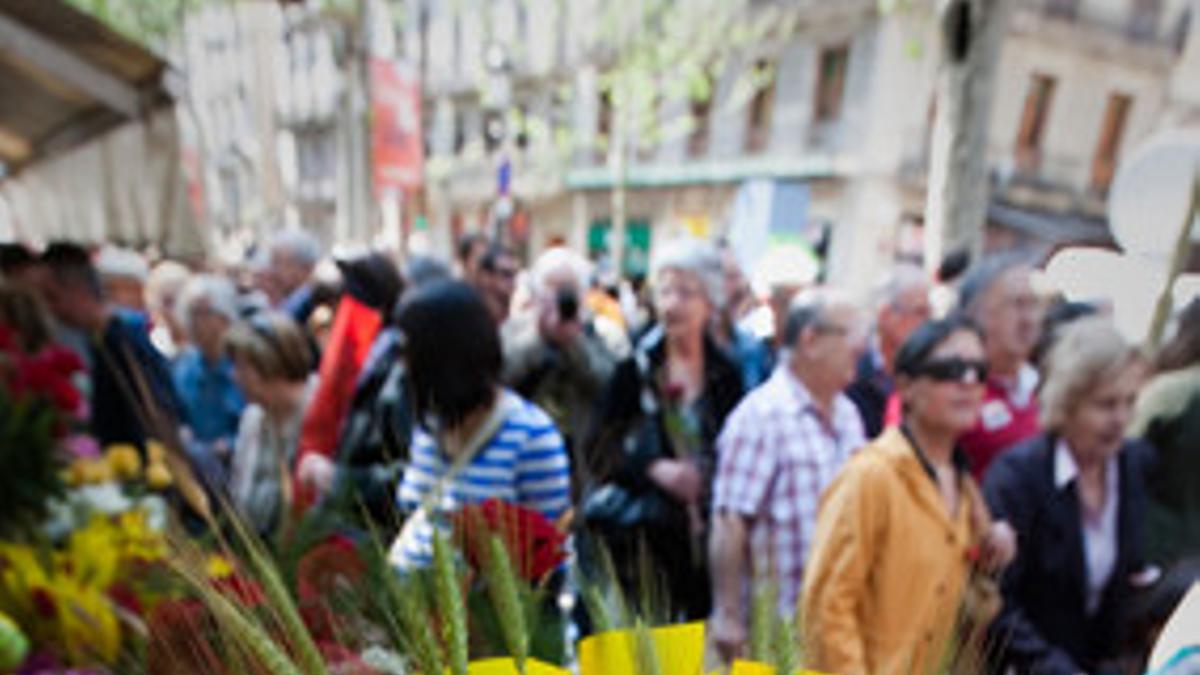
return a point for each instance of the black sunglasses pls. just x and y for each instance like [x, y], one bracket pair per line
[953, 369]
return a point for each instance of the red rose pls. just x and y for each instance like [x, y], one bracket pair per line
[532, 541]
[331, 564]
[240, 589]
[125, 598]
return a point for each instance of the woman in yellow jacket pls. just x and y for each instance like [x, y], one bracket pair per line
[900, 527]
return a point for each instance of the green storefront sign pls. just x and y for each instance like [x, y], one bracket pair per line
[637, 244]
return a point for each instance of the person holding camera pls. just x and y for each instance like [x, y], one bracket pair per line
[555, 355]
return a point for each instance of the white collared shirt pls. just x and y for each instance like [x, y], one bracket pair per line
[1099, 535]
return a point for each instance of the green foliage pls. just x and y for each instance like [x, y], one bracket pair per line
[773, 639]
[147, 21]
[451, 608]
[506, 598]
[30, 479]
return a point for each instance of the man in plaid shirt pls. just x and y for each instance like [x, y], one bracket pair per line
[778, 451]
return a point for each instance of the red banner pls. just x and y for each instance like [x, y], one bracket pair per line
[397, 145]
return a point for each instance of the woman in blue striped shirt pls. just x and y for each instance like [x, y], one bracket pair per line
[474, 439]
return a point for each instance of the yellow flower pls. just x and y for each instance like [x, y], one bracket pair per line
[124, 461]
[158, 476]
[94, 472]
[92, 556]
[138, 540]
[90, 629]
[218, 567]
[156, 452]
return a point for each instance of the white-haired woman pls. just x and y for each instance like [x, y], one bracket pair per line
[1076, 498]
[655, 432]
[203, 373]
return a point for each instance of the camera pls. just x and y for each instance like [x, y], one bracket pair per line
[567, 301]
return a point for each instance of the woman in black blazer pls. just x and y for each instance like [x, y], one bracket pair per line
[1075, 496]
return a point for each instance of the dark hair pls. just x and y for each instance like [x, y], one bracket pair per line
[495, 251]
[72, 264]
[22, 309]
[372, 279]
[981, 277]
[452, 348]
[15, 258]
[467, 244]
[916, 350]
[1183, 349]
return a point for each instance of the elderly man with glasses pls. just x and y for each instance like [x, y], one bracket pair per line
[778, 451]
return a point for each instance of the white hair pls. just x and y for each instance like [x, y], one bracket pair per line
[902, 278]
[165, 282]
[557, 259]
[121, 263]
[696, 256]
[298, 244]
[811, 307]
[218, 292]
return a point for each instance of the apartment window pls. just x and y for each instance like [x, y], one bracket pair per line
[831, 83]
[1116, 113]
[1064, 8]
[604, 122]
[1033, 122]
[701, 112]
[758, 123]
[460, 132]
[1143, 19]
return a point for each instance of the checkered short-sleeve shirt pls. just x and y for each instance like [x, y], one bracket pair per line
[777, 454]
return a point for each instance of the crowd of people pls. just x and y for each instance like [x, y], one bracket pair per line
[1012, 469]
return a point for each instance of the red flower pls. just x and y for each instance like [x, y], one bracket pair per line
[244, 591]
[43, 603]
[974, 553]
[318, 618]
[46, 374]
[124, 596]
[332, 564]
[181, 640]
[534, 544]
[673, 391]
[8, 343]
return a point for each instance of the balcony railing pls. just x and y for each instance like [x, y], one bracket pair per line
[1135, 21]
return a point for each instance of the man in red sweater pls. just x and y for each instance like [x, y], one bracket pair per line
[999, 297]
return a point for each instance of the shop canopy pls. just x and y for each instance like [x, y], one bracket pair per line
[90, 144]
[66, 78]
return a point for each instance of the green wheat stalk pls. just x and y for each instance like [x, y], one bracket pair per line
[450, 604]
[762, 619]
[412, 613]
[783, 645]
[246, 633]
[282, 603]
[645, 653]
[502, 588]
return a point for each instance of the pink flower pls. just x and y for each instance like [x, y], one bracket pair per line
[82, 446]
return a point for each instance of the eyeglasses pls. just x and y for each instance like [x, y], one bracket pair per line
[954, 369]
[856, 333]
